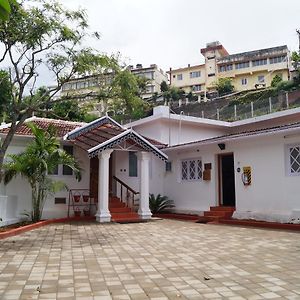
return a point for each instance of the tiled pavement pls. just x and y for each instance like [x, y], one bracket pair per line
[156, 260]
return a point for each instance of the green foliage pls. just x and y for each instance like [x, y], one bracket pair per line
[295, 60]
[5, 92]
[276, 80]
[173, 94]
[41, 157]
[68, 110]
[43, 34]
[190, 96]
[287, 86]
[158, 204]
[125, 94]
[224, 86]
[5, 9]
[164, 87]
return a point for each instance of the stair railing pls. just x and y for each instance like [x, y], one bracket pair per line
[126, 192]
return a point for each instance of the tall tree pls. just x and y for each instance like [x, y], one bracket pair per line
[39, 159]
[42, 35]
[224, 86]
[123, 95]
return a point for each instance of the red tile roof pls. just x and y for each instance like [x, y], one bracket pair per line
[62, 127]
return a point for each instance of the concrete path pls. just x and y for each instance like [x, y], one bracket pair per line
[157, 260]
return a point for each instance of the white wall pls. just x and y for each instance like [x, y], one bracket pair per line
[179, 132]
[156, 176]
[273, 194]
[52, 210]
[20, 189]
[192, 196]
[8, 208]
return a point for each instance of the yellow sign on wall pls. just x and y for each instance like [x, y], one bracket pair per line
[247, 175]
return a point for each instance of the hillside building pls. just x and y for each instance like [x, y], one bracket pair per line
[88, 87]
[154, 75]
[248, 70]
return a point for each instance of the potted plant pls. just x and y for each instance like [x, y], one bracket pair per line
[86, 211]
[76, 198]
[85, 198]
[77, 211]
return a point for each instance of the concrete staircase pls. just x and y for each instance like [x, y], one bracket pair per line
[217, 213]
[120, 213]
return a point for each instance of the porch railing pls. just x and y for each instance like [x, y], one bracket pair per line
[125, 192]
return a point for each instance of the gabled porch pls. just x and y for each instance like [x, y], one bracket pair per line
[102, 140]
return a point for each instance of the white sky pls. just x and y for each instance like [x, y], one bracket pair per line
[171, 33]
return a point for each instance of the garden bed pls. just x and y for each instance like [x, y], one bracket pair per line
[14, 229]
[14, 226]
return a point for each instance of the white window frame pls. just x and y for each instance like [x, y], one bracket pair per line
[244, 81]
[288, 161]
[195, 74]
[179, 77]
[259, 77]
[188, 161]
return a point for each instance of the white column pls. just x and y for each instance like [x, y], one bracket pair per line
[103, 214]
[144, 211]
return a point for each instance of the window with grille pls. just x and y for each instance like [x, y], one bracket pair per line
[191, 169]
[294, 160]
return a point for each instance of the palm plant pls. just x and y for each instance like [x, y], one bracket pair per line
[158, 204]
[39, 159]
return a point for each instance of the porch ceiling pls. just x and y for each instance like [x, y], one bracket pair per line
[105, 133]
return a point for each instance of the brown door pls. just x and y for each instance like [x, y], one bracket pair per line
[94, 174]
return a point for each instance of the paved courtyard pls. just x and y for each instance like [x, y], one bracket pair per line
[162, 259]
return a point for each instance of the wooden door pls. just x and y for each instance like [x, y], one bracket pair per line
[94, 174]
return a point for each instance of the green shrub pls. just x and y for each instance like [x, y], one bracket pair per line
[158, 204]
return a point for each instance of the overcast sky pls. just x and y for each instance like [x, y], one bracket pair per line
[171, 33]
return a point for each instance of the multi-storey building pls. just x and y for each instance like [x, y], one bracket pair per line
[89, 86]
[154, 75]
[248, 70]
[86, 87]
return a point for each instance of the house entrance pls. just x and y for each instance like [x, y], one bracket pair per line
[226, 180]
[94, 175]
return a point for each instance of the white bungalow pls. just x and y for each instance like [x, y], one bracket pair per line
[249, 167]
[101, 147]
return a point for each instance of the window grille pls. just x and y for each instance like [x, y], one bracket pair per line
[191, 170]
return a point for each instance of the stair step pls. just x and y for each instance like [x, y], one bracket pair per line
[116, 205]
[222, 208]
[224, 214]
[178, 216]
[124, 214]
[119, 209]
